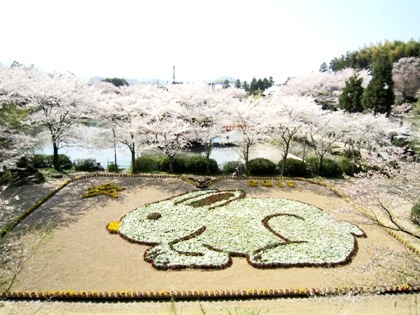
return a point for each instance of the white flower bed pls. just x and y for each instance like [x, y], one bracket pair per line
[270, 232]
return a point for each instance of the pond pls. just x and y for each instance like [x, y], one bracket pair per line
[106, 156]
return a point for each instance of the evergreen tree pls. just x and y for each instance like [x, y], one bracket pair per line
[253, 87]
[226, 84]
[238, 84]
[116, 81]
[351, 98]
[379, 94]
[245, 86]
[271, 81]
[323, 67]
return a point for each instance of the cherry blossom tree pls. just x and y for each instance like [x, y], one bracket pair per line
[125, 110]
[325, 87]
[325, 129]
[56, 102]
[286, 118]
[168, 126]
[246, 125]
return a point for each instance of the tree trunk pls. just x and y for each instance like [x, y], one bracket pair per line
[133, 158]
[55, 157]
[207, 148]
[246, 157]
[171, 163]
[115, 150]
[285, 154]
[320, 160]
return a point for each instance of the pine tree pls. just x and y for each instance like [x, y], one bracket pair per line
[351, 98]
[379, 94]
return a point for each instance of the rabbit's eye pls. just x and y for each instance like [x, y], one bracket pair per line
[154, 216]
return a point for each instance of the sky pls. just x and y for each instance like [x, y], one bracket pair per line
[204, 40]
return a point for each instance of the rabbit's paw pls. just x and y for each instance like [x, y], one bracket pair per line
[164, 257]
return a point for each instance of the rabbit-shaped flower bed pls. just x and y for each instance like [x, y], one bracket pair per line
[204, 229]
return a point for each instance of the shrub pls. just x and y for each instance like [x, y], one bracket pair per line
[197, 165]
[329, 168]
[229, 167]
[415, 213]
[192, 164]
[85, 165]
[178, 164]
[44, 160]
[111, 167]
[147, 163]
[294, 168]
[261, 167]
[348, 167]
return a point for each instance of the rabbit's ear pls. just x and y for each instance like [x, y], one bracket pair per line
[215, 198]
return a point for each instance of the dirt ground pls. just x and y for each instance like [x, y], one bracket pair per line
[74, 251]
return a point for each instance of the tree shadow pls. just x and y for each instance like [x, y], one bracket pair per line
[67, 206]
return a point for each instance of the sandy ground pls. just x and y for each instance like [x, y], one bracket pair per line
[77, 253]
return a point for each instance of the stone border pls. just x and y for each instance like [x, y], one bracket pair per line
[163, 295]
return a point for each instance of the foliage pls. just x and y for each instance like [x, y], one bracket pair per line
[45, 160]
[260, 85]
[252, 183]
[109, 189]
[14, 142]
[329, 168]
[111, 167]
[323, 67]
[116, 81]
[229, 167]
[415, 213]
[85, 165]
[347, 166]
[226, 84]
[148, 163]
[379, 94]
[261, 167]
[365, 57]
[351, 98]
[294, 168]
[266, 183]
[192, 164]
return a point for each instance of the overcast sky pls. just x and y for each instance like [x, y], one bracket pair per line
[204, 39]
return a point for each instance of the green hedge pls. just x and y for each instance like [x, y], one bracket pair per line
[190, 164]
[294, 168]
[147, 163]
[45, 160]
[329, 168]
[262, 167]
[348, 167]
[229, 167]
[85, 165]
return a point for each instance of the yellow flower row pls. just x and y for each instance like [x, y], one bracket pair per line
[164, 294]
[269, 183]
